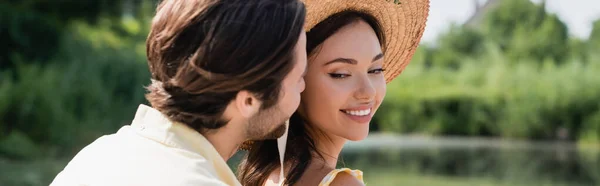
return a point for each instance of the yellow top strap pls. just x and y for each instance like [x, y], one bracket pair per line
[331, 176]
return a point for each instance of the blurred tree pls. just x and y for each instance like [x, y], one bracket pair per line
[594, 40]
[60, 92]
[455, 45]
[525, 30]
[31, 29]
[579, 50]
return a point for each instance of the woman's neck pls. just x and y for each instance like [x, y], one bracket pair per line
[330, 147]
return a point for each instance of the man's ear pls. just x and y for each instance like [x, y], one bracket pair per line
[247, 103]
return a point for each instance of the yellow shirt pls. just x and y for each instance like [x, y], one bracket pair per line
[331, 176]
[152, 151]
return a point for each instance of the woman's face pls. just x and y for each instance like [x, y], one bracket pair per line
[345, 83]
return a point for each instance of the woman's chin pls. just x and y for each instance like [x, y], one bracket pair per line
[357, 137]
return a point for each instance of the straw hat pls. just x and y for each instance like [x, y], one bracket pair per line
[402, 23]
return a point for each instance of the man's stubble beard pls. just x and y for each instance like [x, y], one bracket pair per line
[267, 124]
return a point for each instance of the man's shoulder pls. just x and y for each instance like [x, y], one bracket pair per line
[139, 179]
[98, 166]
[125, 158]
[127, 150]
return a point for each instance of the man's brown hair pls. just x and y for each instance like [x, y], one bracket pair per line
[201, 53]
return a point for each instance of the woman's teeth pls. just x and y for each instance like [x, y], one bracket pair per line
[358, 112]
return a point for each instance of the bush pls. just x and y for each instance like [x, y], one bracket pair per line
[18, 146]
[496, 98]
[92, 88]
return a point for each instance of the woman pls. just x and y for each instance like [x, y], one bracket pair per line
[354, 48]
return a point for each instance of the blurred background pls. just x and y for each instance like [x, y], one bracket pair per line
[500, 92]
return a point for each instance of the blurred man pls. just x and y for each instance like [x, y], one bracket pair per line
[223, 72]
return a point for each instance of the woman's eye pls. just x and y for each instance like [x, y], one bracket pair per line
[377, 71]
[338, 76]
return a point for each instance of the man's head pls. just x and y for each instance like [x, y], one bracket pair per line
[214, 61]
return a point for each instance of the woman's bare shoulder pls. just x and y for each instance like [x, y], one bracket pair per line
[314, 174]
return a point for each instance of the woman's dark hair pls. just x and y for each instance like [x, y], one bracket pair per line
[263, 158]
[202, 53]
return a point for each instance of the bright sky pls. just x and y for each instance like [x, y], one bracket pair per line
[577, 14]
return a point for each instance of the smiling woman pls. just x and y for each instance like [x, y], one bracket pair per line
[345, 84]
[344, 87]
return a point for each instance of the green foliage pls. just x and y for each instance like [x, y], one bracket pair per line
[594, 40]
[89, 89]
[455, 45]
[31, 29]
[497, 98]
[516, 75]
[25, 34]
[525, 31]
[66, 10]
[18, 146]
